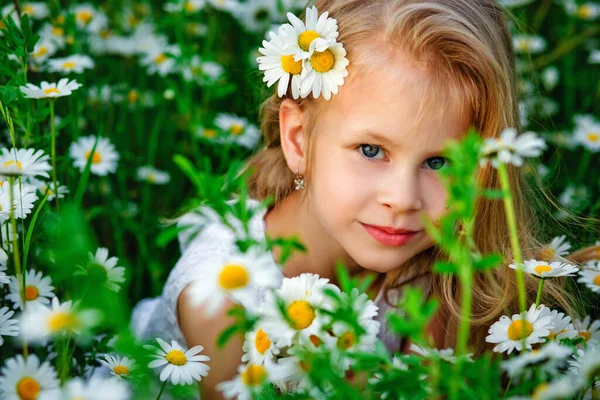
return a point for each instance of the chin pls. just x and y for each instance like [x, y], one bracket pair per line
[378, 261]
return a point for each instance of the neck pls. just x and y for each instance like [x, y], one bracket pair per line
[293, 217]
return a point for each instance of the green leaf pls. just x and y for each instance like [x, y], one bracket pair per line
[489, 261]
[444, 267]
[30, 230]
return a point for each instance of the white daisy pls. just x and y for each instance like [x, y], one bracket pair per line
[35, 10]
[549, 358]
[120, 367]
[444, 354]
[563, 328]
[23, 197]
[3, 277]
[509, 148]
[8, 326]
[236, 130]
[48, 187]
[589, 330]
[24, 162]
[532, 327]
[64, 87]
[279, 65]
[89, 18]
[183, 367]
[256, 15]
[544, 269]
[594, 57]
[590, 276]
[188, 6]
[74, 63]
[249, 381]
[55, 34]
[301, 36]
[258, 347]
[565, 387]
[202, 72]
[346, 338]
[550, 77]
[238, 276]
[587, 132]
[41, 323]
[38, 290]
[104, 159]
[588, 11]
[558, 247]
[152, 175]
[42, 50]
[529, 44]
[574, 196]
[101, 268]
[324, 70]
[95, 389]
[7, 239]
[302, 297]
[586, 365]
[24, 378]
[161, 60]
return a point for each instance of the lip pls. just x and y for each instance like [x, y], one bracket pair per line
[388, 235]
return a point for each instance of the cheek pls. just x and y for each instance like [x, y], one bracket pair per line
[434, 196]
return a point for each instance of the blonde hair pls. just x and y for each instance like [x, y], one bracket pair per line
[467, 50]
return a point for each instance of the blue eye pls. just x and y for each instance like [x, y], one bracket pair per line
[435, 163]
[370, 151]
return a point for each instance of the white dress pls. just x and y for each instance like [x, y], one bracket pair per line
[157, 317]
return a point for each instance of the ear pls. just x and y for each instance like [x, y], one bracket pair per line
[293, 136]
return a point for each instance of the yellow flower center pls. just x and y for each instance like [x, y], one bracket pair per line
[28, 388]
[301, 313]
[597, 280]
[346, 341]
[161, 58]
[11, 162]
[305, 366]
[61, 321]
[262, 341]
[132, 96]
[237, 129]
[547, 253]
[552, 335]
[176, 357]
[189, 7]
[51, 90]
[70, 39]
[69, 65]
[315, 340]
[254, 375]
[96, 158]
[290, 66]
[585, 11]
[306, 38]
[593, 137]
[121, 370]
[105, 33]
[151, 178]
[542, 268]
[60, 20]
[41, 51]
[58, 31]
[2, 26]
[210, 133]
[539, 390]
[519, 329]
[586, 335]
[84, 16]
[27, 9]
[31, 293]
[322, 61]
[233, 276]
[133, 21]
[524, 45]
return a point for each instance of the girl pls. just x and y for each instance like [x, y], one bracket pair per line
[352, 175]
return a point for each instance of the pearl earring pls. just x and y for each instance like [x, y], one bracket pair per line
[299, 181]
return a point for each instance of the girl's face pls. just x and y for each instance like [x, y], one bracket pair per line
[374, 170]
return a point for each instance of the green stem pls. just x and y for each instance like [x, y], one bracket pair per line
[53, 134]
[162, 387]
[563, 49]
[465, 277]
[540, 15]
[17, 257]
[507, 386]
[514, 236]
[583, 164]
[65, 361]
[539, 293]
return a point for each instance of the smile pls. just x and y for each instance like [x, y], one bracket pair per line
[389, 236]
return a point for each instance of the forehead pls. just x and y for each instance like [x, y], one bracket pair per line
[397, 98]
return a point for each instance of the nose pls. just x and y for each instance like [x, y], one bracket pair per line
[399, 190]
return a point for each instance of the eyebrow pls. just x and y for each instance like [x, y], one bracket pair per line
[375, 136]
